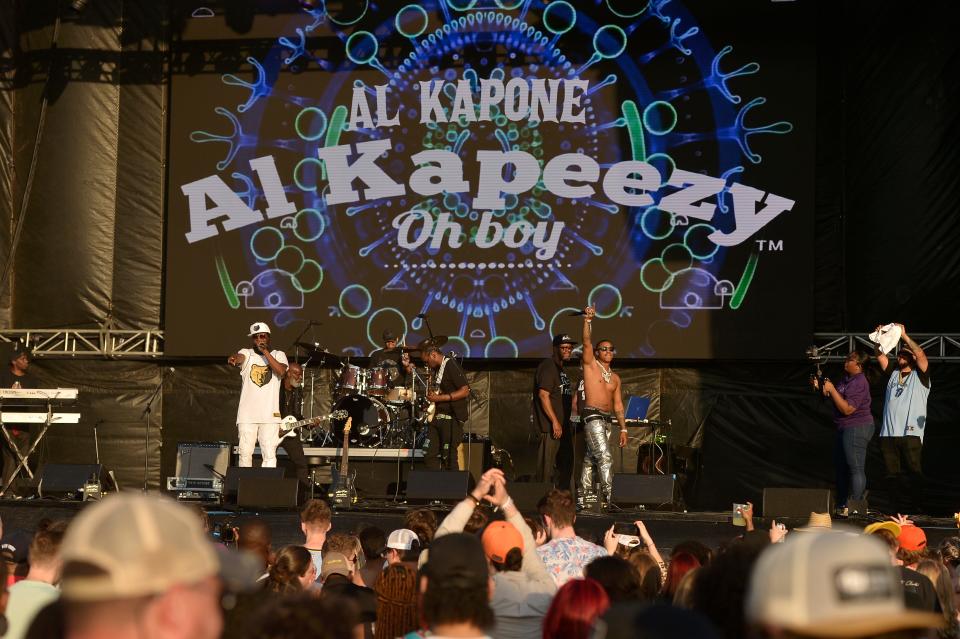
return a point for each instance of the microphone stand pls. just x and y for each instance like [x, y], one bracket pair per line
[145, 416]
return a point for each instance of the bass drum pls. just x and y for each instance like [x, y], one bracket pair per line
[371, 419]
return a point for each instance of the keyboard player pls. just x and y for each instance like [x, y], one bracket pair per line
[16, 375]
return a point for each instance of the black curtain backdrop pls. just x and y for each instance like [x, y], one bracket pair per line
[91, 252]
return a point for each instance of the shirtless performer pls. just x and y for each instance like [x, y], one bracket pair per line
[603, 400]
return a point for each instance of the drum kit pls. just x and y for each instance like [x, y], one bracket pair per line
[383, 401]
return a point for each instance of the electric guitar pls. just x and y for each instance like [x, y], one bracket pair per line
[430, 408]
[343, 493]
[290, 424]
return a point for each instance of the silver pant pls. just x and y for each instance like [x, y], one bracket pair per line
[596, 434]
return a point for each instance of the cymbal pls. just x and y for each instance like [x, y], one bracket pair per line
[402, 349]
[436, 340]
[326, 358]
[311, 347]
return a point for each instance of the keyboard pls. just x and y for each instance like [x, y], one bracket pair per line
[38, 393]
[39, 418]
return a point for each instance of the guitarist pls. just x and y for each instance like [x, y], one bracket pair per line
[291, 400]
[448, 391]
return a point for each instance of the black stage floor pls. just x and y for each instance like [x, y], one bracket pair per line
[667, 528]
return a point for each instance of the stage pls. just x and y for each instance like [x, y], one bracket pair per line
[666, 528]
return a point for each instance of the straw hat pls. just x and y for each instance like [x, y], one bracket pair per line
[818, 522]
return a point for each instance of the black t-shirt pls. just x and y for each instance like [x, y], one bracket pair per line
[290, 401]
[554, 380]
[918, 591]
[7, 379]
[453, 379]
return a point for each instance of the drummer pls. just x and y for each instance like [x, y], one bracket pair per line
[394, 360]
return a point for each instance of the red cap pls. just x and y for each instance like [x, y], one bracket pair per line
[912, 538]
[499, 538]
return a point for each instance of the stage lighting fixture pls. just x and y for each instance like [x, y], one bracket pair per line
[79, 5]
[311, 5]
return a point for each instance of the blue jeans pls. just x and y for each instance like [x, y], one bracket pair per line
[851, 459]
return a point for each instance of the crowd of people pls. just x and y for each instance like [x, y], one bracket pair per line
[136, 565]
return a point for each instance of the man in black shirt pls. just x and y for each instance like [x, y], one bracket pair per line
[552, 399]
[291, 402]
[16, 375]
[390, 357]
[449, 392]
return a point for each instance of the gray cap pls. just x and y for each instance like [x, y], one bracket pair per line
[825, 584]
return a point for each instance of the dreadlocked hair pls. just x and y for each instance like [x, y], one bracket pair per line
[396, 590]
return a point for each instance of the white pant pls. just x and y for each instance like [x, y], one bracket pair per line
[269, 436]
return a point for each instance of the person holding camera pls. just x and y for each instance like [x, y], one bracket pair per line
[854, 421]
[258, 415]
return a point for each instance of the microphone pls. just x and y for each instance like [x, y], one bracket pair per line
[422, 316]
[576, 313]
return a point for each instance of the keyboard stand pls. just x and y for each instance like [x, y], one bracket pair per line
[23, 464]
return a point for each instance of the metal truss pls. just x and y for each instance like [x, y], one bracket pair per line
[109, 343]
[834, 347]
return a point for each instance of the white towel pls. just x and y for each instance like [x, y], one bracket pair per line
[887, 337]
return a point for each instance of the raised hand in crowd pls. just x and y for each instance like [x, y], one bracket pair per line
[747, 512]
[778, 532]
[648, 541]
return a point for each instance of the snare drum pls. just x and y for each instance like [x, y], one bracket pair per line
[351, 380]
[400, 395]
[378, 381]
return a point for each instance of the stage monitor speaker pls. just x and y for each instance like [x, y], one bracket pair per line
[438, 485]
[236, 473]
[273, 492]
[526, 495]
[196, 459]
[648, 490]
[66, 479]
[795, 503]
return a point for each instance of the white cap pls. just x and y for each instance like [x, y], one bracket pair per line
[257, 328]
[402, 539]
[828, 585]
[629, 541]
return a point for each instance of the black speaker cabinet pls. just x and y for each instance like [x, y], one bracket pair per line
[648, 490]
[795, 502]
[237, 473]
[526, 495]
[438, 485]
[199, 460]
[66, 479]
[272, 492]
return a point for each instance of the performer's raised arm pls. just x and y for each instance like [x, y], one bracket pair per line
[587, 357]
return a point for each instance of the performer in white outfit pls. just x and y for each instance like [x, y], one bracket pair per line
[258, 416]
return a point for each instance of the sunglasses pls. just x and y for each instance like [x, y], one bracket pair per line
[604, 349]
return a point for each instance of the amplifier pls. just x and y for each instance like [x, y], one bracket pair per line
[195, 484]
